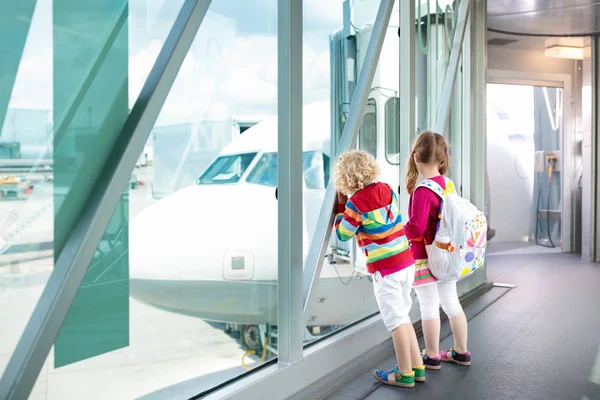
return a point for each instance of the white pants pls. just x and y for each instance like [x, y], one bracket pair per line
[431, 295]
[392, 293]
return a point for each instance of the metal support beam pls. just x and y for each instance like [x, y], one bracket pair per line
[407, 91]
[478, 149]
[595, 159]
[465, 143]
[320, 241]
[453, 63]
[289, 174]
[71, 265]
[589, 193]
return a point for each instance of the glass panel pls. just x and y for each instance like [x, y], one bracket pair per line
[392, 130]
[68, 81]
[433, 46]
[193, 276]
[343, 293]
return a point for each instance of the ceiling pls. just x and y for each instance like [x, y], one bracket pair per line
[514, 42]
[544, 17]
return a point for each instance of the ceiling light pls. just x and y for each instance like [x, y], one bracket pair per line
[574, 53]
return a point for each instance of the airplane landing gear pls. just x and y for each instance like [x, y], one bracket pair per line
[252, 338]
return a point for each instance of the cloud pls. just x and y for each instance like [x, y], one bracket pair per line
[223, 74]
[323, 12]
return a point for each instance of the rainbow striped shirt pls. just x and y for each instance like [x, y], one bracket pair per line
[373, 215]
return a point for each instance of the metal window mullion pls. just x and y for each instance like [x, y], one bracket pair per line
[594, 250]
[290, 331]
[466, 112]
[71, 265]
[320, 241]
[407, 88]
[477, 150]
[453, 63]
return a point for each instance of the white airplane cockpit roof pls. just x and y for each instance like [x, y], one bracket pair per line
[263, 136]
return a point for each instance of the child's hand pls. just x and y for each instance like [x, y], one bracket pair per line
[342, 198]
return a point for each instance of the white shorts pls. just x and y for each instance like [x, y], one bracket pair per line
[432, 294]
[392, 293]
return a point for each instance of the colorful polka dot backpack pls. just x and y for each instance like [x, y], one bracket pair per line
[461, 236]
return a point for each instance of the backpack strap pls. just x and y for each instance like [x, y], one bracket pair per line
[433, 186]
[449, 186]
[437, 189]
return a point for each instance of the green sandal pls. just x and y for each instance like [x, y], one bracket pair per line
[401, 380]
[419, 373]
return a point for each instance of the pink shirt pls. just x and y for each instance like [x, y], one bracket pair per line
[423, 211]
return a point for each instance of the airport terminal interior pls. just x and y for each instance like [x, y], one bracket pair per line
[167, 199]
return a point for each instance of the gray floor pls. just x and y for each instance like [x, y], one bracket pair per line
[540, 340]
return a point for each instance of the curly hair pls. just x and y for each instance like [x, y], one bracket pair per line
[354, 171]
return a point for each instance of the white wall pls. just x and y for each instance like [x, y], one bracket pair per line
[527, 61]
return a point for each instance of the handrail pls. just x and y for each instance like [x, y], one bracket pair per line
[320, 240]
[457, 40]
[51, 309]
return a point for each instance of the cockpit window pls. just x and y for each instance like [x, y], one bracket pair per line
[315, 166]
[316, 169]
[265, 171]
[226, 169]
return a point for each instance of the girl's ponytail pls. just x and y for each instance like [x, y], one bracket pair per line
[411, 174]
[441, 154]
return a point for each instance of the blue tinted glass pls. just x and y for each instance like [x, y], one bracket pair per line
[227, 169]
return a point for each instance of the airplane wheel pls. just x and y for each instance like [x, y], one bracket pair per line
[251, 338]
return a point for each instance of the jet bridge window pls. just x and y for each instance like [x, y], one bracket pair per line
[315, 166]
[226, 169]
[392, 130]
[367, 136]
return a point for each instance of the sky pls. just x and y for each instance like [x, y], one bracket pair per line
[231, 68]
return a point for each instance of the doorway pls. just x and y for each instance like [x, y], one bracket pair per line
[524, 162]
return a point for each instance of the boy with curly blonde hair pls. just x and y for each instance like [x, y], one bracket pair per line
[372, 213]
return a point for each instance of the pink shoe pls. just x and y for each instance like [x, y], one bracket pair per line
[451, 355]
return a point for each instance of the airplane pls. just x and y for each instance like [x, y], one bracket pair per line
[209, 250]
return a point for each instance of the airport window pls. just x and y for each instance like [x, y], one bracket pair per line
[392, 130]
[226, 169]
[314, 164]
[367, 136]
